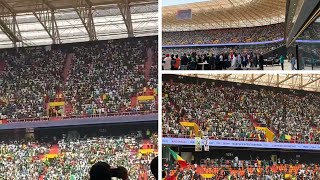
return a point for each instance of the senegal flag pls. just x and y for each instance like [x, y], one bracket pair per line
[182, 162]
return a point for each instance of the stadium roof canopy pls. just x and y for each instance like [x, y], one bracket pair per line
[217, 14]
[42, 22]
[307, 82]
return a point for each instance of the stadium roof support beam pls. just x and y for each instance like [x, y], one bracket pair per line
[89, 3]
[261, 18]
[226, 76]
[244, 78]
[48, 21]
[310, 82]
[216, 17]
[286, 79]
[85, 15]
[254, 79]
[9, 25]
[125, 10]
[276, 11]
[50, 6]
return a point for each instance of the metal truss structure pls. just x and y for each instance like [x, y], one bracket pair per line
[220, 14]
[307, 82]
[43, 22]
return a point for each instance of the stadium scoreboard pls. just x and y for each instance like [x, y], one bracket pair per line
[185, 14]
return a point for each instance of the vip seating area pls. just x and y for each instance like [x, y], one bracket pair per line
[219, 58]
[100, 78]
[225, 111]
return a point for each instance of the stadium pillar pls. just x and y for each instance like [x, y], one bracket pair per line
[297, 56]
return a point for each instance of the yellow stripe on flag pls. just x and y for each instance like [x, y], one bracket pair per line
[145, 98]
[188, 124]
[56, 104]
[146, 151]
[207, 176]
[287, 137]
[50, 156]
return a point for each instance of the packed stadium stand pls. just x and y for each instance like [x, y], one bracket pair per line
[223, 36]
[313, 31]
[87, 79]
[245, 169]
[266, 29]
[239, 163]
[70, 152]
[78, 86]
[226, 110]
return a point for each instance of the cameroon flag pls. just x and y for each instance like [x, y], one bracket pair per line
[182, 162]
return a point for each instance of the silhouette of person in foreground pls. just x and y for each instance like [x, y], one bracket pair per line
[102, 171]
[154, 167]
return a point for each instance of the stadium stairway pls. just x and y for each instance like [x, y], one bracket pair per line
[148, 64]
[54, 149]
[67, 67]
[65, 74]
[2, 66]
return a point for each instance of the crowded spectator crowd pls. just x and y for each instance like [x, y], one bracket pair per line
[91, 78]
[24, 160]
[311, 33]
[248, 170]
[112, 70]
[221, 36]
[224, 112]
[30, 75]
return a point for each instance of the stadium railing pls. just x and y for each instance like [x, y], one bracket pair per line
[242, 139]
[214, 137]
[81, 116]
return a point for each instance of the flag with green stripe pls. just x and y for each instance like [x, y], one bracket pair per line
[182, 162]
